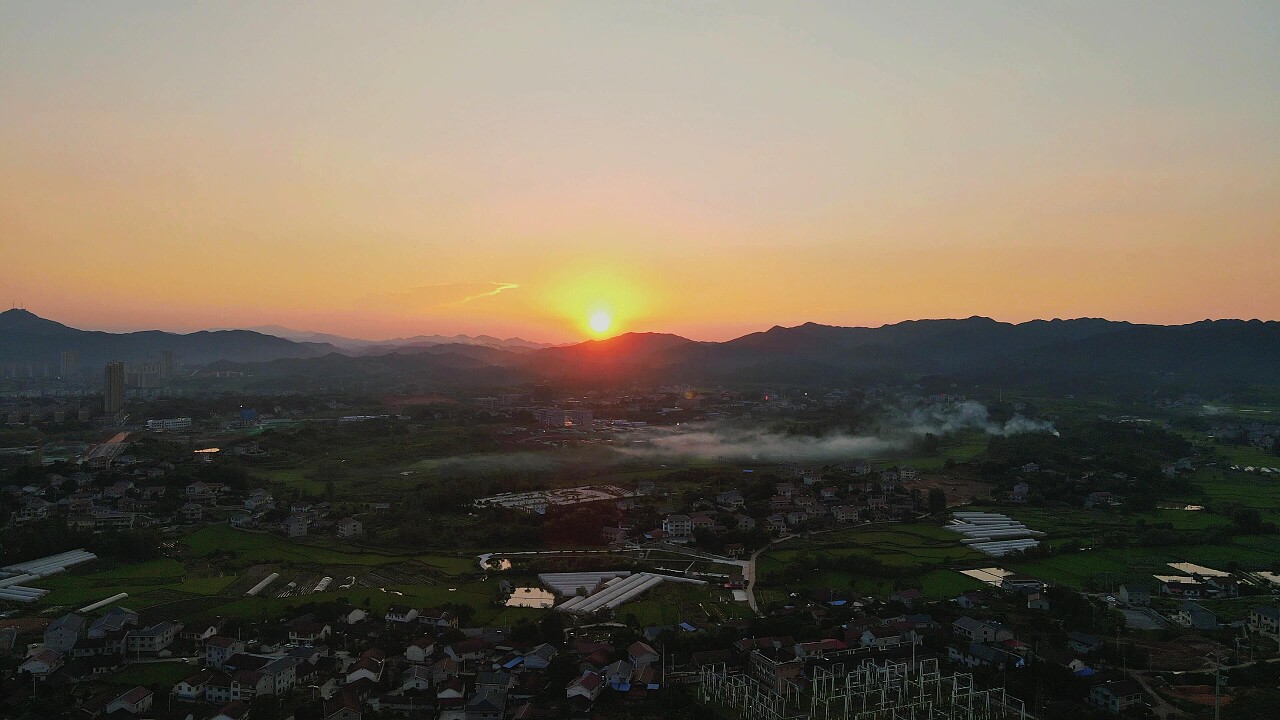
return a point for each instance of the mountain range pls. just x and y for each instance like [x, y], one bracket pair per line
[375, 346]
[1067, 355]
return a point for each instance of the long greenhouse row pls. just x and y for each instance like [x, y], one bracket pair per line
[992, 533]
[12, 588]
[616, 592]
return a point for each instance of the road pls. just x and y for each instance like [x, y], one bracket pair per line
[1162, 708]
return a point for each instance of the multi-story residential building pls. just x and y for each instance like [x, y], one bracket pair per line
[677, 526]
[151, 639]
[218, 648]
[1265, 621]
[63, 633]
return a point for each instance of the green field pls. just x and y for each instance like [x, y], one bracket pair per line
[1255, 490]
[901, 545]
[917, 552]
[1245, 455]
[148, 583]
[674, 603]
[148, 674]
[1073, 522]
[293, 477]
[961, 447]
[1103, 568]
[940, 584]
[216, 541]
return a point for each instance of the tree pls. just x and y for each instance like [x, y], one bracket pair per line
[930, 446]
[937, 500]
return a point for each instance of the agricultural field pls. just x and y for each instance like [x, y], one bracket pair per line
[918, 554]
[148, 583]
[1245, 455]
[960, 448]
[235, 548]
[168, 589]
[1105, 568]
[898, 544]
[674, 603]
[1065, 522]
[221, 563]
[1254, 490]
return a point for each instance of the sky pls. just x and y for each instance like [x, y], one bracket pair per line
[389, 169]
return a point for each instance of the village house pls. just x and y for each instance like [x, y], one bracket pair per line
[540, 657]
[583, 691]
[258, 501]
[296, 525]
[777, 668]
[974, 655]
[731, 500]
[467, 650]
[1021, 584]
[677, 526]
[369, 665]
[1083, 642]
[880, 637]
[42, 663]
[309, 631]
[349, 527]
[1265, 621]
[979, 631]
[401, 614]
[438, 617]
[846, 513]
[134, 702]
[487, 704]
[420, 650]
[1134, 595]
[1117, 696]
[192, 689]
[450, 692]
[217, 649]
[64, 632]
[415, 677]
[642, 654]
[1195, 616]
[151, 639]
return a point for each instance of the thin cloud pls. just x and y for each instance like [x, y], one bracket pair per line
[433, 297]
[497, 288]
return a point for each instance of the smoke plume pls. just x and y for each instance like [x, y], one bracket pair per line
[898, 430]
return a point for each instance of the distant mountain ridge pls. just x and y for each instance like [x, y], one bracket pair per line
[1064, 355]
[27, 337]
[1074, 353]
[415, 341]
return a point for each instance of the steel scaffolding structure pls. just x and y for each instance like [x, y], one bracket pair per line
[868, 691]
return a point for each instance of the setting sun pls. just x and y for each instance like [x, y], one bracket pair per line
[599, 322]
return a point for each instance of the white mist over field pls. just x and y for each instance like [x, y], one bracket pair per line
[898, 430]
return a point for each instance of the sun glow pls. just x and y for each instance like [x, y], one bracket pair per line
[599, 322]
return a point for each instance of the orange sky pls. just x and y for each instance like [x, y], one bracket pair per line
[511, 168]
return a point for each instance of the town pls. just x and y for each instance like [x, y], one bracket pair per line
[540, 555]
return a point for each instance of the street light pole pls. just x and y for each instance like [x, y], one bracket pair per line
[1217, 685]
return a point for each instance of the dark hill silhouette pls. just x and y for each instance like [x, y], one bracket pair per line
[1067, 355]
[26, 337]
